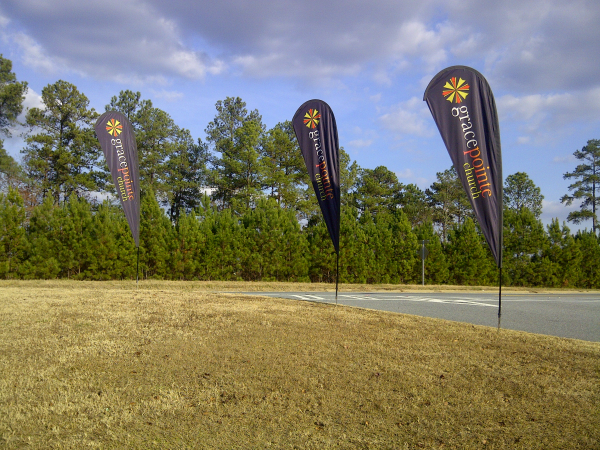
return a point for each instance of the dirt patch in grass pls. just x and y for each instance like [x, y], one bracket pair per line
[103, 365]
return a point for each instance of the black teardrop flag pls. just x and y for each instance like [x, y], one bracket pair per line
[464, 110]
[315, 128]
[117, 140]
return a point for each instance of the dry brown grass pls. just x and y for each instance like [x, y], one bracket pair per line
[273, 286]
[171, 365]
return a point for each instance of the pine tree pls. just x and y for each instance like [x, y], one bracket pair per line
[112, 256]
[284, 171]
[131, 105]
[12, 95]
[275, 246]
[235, 134]
[11, 173]
[404, 253]
[468, 256]
[524, 242]
[321, 253]
[589, 270]
[587, 175]
[157, 139]
[13, 239]
[293, 247]
[189, 243]
[75, 238]
[225, 249]
[42, 259]
[448, 200]
[413, 202]
[245, 163]
[377, 190]
[155, 239]
[377, 247]
[354, 258]
[62, 150]
[13, 176]
[522, 193]
[61, 234]
[564, 253]
[185, 175]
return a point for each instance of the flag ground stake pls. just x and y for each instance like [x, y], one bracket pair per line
[499, 298]
[337, 274]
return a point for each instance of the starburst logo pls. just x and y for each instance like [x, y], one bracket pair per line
[114, 127]
[311, 118]
[456, 91]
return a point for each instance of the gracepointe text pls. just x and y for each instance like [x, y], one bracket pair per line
[125, 186]
[475, 170]
[322, 178]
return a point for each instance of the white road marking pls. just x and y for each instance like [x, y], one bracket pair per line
[357, 297]
[456, 301]
[308, 297]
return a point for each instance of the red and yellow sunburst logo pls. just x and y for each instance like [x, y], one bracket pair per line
[311, 118]
[456, 91]
[114, 127]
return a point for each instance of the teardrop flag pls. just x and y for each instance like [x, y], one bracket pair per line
[464, 110]
[316, 130]
[117, 140]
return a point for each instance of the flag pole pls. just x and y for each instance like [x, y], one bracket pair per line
[499, 297]
[337, 274]
[137, 270]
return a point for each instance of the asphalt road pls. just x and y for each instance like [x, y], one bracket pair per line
[575, 316]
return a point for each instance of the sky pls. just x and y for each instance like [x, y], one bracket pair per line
[370, 61]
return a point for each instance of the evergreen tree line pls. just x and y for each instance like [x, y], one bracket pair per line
[83, 241]
[238, 205]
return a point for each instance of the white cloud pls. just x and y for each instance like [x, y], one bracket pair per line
[360, 143]
[555, 210]
[32, 100]
[415, 38]
[535, 52]
[535, 115]
[85, 38]
[409, 177]
[408, 118]
[536, 106]
[569, 159]
[527, 44]
[169, 96]
[375, 98]
[284, 63]
[534, 45]
[33, 54]
[364, 138]
[190, 65]
[468, 46]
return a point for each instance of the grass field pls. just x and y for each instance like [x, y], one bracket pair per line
[179, 365]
